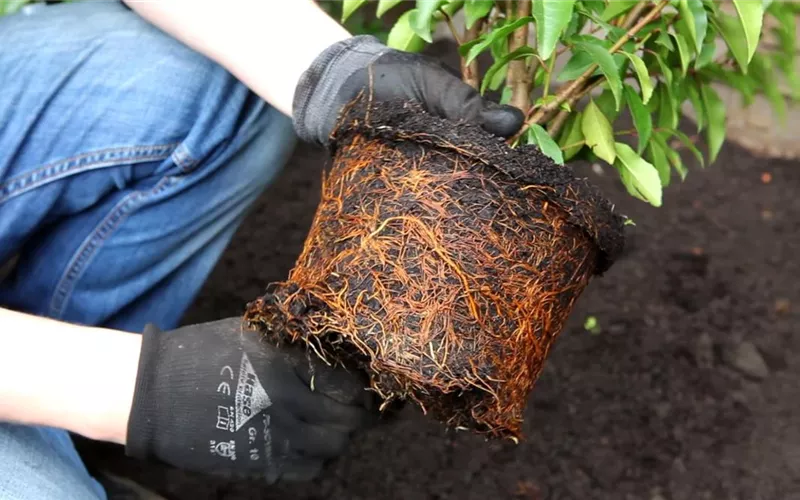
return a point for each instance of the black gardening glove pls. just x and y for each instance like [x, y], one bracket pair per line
[214, 398]
[341, 72]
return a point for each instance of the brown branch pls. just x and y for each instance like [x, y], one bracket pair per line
[452, 27]
[517, 70]
[557, 123]
[470, 73]
[634, 15]
[579, 85]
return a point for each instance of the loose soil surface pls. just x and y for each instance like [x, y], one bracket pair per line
[690, 389]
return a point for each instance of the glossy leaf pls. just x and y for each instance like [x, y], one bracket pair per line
[694, 20]
[733, 34]
[764, 74]
[751, 16]
[683, 52]
[693, 92]
[422, 16]
[715, 111]
[706, 55]
[639, 176]
[350, 6]
[688, 144]
[385, 5]
[658, 158]
[552, 18]
[665, 70]
[402, 37]
[598, 133]
[575, 67]
[673, 157]
[617, 7]
[605, 101]
[642, 74]
[667, 108]
[475, 10]
[608, 66]
[539, 136]
[473, 50]
[572, 134]
[503, 62]
[642, 120]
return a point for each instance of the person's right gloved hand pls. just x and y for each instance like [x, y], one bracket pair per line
[214, 398]
[362, 63]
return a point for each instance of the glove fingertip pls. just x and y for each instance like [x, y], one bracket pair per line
[502, 120]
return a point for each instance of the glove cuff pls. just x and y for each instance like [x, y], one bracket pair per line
[142, 423]
[314, 106]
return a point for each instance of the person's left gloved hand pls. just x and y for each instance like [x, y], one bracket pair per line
[346, 68]
[214, 398]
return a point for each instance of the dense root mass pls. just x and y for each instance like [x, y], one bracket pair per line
[442, 262]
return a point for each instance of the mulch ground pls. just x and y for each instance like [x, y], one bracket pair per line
[689, 390]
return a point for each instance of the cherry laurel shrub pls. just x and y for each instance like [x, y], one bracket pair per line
[574, 66]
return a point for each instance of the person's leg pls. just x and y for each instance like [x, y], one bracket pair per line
[40, 463]
[127, 161]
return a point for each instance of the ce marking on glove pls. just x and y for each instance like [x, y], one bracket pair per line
[224, 387]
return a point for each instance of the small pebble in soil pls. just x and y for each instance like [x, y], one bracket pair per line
[746, 359]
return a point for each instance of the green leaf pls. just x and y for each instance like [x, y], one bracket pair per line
[552, 17]
[572, 134]
[764, 74]
[667, 108]
[694, 19]
[716, 114]
[683, 51]
[641, 73]
[476, 9]
[422, 16]
[593, 6]
[751, 16]
[11, 6]
[658, 158]
[474, 50]
[733, 34]
[605, 101]
[706, 55]
[350, 6]
[575, 67]
[673, 157]
[539, 136]
[665, 40]
[642, 120]
[639, 176]
[689, 145]
[608, 66]
[384, 6]
[402, 37]
[693, 91]
[596, 6]
[617, 7]
[499, 64]
[505, 96]
[664, 69]
[598, 133]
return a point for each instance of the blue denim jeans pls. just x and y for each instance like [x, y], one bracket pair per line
[127, 161]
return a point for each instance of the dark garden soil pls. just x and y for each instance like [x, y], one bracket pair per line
[689, 390]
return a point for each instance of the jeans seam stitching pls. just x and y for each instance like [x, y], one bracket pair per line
[93, 242]
[54, 171]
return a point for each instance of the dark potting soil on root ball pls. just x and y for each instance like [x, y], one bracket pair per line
[442, 262]
[689, 390]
